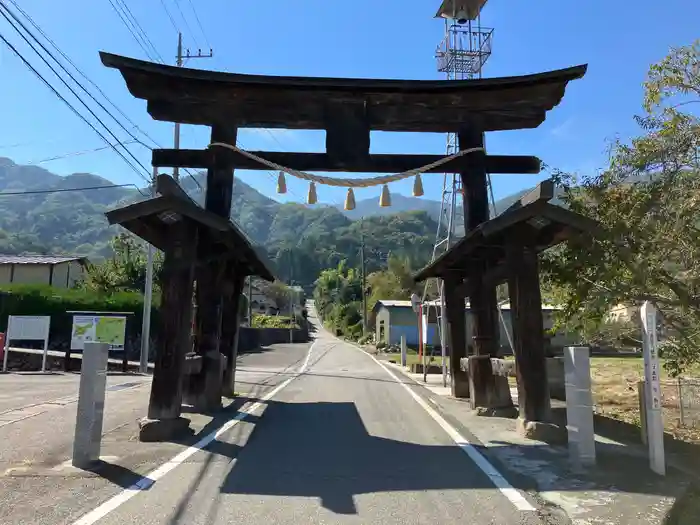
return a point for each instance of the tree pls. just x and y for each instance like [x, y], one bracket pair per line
[125, 270]
[648, 202]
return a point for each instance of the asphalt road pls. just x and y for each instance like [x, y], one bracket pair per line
[25, 389]
[341, 442]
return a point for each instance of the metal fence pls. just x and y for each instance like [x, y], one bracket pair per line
[681, 401]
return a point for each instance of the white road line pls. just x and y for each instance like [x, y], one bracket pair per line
[510, 492]
[149, 479]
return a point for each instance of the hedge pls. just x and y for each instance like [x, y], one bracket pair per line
[32, 299]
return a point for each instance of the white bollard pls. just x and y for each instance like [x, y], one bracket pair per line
[91, 399]
[579, 406]
[403, 350]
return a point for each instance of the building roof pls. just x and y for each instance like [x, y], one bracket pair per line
[39, 259]
[390, 303]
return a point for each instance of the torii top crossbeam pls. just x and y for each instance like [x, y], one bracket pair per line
[194, 96]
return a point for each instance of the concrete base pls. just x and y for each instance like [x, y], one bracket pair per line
[541, 431]
[155, 430]
[488, 391]
[460, 385]
[505, 412]
[203, 390]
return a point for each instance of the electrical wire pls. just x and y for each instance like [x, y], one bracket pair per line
[167, 12]
[134, 32]
[127, 10]
[72, 154]
[187, 24]
[70, 75]
[199, 23]
[80, 72]
[55, 46]
[62, 190]
[67, 103]
[3, 11]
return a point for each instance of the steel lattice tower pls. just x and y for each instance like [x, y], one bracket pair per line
[460, 56]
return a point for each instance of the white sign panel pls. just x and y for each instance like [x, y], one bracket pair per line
[28, 327]
[655, 425]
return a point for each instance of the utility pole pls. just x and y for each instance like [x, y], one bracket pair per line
[250, 301]
[180, 61]
[291, 299]
[147, 297]
[364, 279]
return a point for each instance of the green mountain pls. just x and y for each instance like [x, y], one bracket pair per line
[300, 241]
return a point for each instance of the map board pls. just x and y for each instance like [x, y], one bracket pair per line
[98, 329]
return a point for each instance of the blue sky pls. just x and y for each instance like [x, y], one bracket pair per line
[362, 38]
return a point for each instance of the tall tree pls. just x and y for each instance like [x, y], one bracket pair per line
[648, 201]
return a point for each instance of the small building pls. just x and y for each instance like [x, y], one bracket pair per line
[58, 271]
[261, 303]
[396, 318]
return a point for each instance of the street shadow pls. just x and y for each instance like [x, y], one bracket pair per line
[685, 452]
[116, 474]
[324, 451]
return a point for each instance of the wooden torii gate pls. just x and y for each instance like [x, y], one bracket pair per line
[348, 110]
[505, 249]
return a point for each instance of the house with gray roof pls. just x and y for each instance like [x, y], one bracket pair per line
[58, 271]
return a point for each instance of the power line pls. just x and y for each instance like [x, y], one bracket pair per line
[125, 20]
[80, 72]
[199, 23]
[172, 20]
[67, 103]
[134, 21]
[62, 190]
[72, 154]
[70, 75]
[3, 10]
[187, 24]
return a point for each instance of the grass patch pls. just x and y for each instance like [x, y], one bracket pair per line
[412, 358]
[615, 393]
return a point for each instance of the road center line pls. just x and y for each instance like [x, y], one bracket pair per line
[152, 477]
[510, 492]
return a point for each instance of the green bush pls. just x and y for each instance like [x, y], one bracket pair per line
[33, 299]
[272, 321]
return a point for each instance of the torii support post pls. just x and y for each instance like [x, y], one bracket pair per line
[165, 404]
[457, 318]
[486, 391]
[528, 340]
[231, 327]
[207, 387]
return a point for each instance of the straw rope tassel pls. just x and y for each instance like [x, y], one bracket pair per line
[385, 197]
[312, 198]
[418, 186]
[281, 183]
[350, 200]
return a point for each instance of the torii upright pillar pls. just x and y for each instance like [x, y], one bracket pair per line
[485, 390]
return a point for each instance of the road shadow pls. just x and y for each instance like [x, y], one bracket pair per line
[324, 451]
[116, 474]
[684, 452]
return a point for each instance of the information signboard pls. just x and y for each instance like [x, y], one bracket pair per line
[98, 329]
